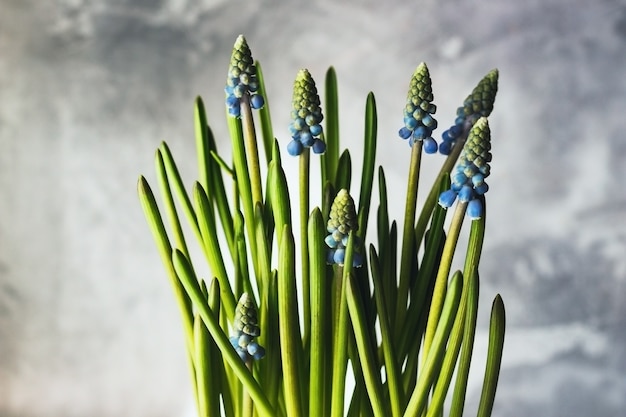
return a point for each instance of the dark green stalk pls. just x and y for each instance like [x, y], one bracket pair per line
[340, 349]
[441, 282]
[305, 158]
[408, 236]
[252, 151]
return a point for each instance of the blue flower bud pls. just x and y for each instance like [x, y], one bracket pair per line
[242, 79]
[478, 104]
[418, 111]
[246, 330]
[305, 126]
[342, 220]
[468, 182]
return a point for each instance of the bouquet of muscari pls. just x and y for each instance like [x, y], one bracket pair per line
[404, 330]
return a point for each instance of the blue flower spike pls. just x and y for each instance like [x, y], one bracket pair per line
[246, 330]
[468, 181]
[242, 82]
[478, 104]
[341, 222]
[418, 120]
[306, 116]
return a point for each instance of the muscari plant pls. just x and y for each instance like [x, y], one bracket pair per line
[278, 324]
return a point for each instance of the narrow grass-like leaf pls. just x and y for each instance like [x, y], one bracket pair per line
[369, 160]
[419, 396]
[203, 150]
[206, 222]
[217, 190]
[320, 317]
[344, 171]
[330, 158]
[366, 350]
[442, 275]
[264, 114]
[208, 361]
[176, 182]
[462, 332]
[190, 282]
[494, 357]
[243, 182]
[280, 201]
[289, 326]
[467, 347]
[264, 251]
[151, 212]
[396, 396]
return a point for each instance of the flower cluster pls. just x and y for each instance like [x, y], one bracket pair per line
[246, 329]
[341, 222]
[306, 116]
[478, 104]
[468, 182]
[418, 120]
[242, 80]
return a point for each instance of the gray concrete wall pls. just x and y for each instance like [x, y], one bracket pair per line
[88, 326]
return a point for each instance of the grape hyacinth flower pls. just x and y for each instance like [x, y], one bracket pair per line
[306, 116]
[468, 182]
[341, 222]
[478, 104]
[242, 80]
[418, 120]
[246, 330]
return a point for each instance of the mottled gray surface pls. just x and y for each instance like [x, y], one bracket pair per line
[88, 326]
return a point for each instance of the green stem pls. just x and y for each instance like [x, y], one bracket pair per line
[305, 158]
[340, 345]
[248, 405]
[408, 236]
[252, 152]
[433, 195]
[441, 281]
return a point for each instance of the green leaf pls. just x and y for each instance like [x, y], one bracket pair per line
[419, 396]
[289, 325]
[264, 114]
[468, 329]
[396, 396]
[208, 231]
[369, 159]
[320, 374]
[208, 359]
[330, 158]
[190, 282]
[344, 172]
[494, 357]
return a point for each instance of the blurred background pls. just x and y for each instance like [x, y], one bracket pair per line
[88, 89]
